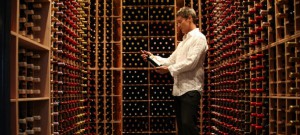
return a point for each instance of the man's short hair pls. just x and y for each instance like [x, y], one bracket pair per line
[185, 12]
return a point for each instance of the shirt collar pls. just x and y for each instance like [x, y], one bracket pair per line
[191, 33]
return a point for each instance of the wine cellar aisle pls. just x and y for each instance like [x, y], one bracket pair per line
[76, 68]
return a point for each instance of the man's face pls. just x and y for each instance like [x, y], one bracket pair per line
[183, 24]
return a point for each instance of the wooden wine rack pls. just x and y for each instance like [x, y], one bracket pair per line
[30, 64]
[266, 85]
[108, 66]
[150, 84]
[280, 46]
[40, 42]
[70, 79]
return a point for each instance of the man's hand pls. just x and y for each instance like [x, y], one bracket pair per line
[145, 54]
[162, 69]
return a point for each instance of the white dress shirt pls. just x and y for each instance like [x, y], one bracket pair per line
[186, 63]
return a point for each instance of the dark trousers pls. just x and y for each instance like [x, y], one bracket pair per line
[186, 108]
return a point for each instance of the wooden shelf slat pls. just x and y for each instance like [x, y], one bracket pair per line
[14, 33]
[30, 44]
[13, 100]
[33, 99]
[283, 97]
[282, 41]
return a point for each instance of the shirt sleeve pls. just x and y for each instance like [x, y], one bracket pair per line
[194, 53]
[167, 61]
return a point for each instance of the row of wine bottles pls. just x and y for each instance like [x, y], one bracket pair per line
[145, 13]
[29, 119]
[147, 2]
[29, 73]
[137, 93]
[243, 71]
[141, 77]
[147, 100]
[143, 124]
[69, 67]
[30, 19]
[108, 8]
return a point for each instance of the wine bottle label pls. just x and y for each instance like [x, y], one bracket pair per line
[294, 108]
[152, 60]
[293, 89]
[29, 119]
[37, 40]
[29, 91]
[22, 91]
[36, 92]
[29, 12]
[37, 28]
[37, 117]
[29, 24]
[23, 121]
[37, 129]
[30, 132]
[22, 78]
[22, 20]
[294, 59]
[29, 78]
[30, 36]
[294, 75]
[29, 1]
[36, 56]
[37, 5]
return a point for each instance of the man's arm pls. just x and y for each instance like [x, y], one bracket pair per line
[194, 53]
[167, 61]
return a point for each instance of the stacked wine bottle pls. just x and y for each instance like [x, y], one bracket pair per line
[252, 66]
[147, 98]
[71, 107]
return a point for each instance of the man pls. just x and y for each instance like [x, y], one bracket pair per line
[185, 64]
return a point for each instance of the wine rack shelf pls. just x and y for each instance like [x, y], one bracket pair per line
[106, 66]
[252, 66]
[30, 66]
[71, 106]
